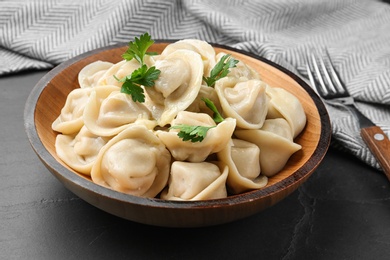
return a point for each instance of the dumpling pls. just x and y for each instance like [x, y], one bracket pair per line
[216, 139]
[90, 74]
[121, 70]
[199, 105]
[70, 120]
[283, 104]
[275, 143]
[133, 162]
[174, 92]
[203, 48]
[109, 111]
[196, 181]
[243, 160]
[278, 126]
[246, 101]
[242, 71]
[79, 151]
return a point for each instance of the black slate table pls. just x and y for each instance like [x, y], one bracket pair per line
[341, 212]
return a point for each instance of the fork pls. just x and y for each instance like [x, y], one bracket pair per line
[328, 85]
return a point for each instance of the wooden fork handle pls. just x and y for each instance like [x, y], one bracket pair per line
[379, 145]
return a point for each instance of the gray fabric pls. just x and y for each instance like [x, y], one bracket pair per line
[41, 34]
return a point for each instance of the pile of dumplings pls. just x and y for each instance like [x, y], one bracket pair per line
[129, 147]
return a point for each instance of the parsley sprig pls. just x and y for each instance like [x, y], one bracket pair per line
[217, 117]
[193, 133]
[196, 133]
[221, 69]
[143, 76]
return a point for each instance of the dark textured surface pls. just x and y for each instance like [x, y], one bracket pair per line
[341, 212]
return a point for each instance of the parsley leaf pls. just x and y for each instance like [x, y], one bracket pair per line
[142, 76]
[145, 76]
[217, 117]
[196, 133]
[136, 91]
[138, 48]
[221, 69]
[192, 133]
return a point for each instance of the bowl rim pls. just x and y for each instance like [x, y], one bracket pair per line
[59, 171]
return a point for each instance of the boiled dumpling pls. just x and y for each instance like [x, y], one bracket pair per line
[275, 143]
[109, 111]
[203, 48]
[280, 127]
[90, 74]
[174, 92]
[242, 71]
[79, 151]
[196, 181]
[122, 69]
[283, 104]
[70, 120]
[216, 139]
[199, 105]
[243, 160]
[134, 162]
[246, 101]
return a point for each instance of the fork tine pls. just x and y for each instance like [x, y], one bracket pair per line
[340, 87]
[311, 77]
[321, 88]
[331, 87]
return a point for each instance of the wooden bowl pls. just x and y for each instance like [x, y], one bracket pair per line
[48, 97]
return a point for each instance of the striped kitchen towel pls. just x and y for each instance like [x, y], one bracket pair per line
[40, 34]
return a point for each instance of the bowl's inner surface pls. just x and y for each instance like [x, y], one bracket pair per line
[53, 98]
